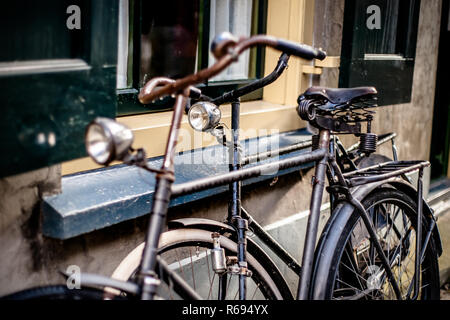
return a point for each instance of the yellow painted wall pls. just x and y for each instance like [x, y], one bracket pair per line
[292, 20]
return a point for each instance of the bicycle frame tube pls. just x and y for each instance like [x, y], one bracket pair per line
[418, 236]
[270, 242]
[161, 200]
[246, 173]
[235, 159]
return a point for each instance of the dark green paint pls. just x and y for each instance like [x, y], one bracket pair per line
[398, 35]
[56, 104]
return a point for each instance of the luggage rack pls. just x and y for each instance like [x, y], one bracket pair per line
[383, 171]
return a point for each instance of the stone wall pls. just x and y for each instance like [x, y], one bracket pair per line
[21, 251]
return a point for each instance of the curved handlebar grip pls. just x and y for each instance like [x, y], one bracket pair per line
[300, 50]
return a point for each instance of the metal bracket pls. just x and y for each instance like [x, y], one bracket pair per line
[336, 125]
[239, 269]
[317, 67]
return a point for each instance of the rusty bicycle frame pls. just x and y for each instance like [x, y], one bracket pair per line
[226, 53]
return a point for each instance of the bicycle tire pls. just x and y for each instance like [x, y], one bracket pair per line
[345, 269]
[190, 238]
[56, 292]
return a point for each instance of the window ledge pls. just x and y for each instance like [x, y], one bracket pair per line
[150, 130]
[103, 197]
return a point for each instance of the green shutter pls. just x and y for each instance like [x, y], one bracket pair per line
[53, 80]
[381, 57]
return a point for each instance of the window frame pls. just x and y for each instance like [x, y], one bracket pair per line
[392, 76]
[127, 101]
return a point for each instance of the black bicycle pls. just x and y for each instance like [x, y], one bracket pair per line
[381, 241]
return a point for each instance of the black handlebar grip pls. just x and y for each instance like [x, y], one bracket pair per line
[300, 50]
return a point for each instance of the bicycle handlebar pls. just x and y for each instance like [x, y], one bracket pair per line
[300, 50]
[227, 49]
[255, 85]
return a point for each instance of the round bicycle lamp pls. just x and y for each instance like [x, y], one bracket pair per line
[107, 140]
[204, 116]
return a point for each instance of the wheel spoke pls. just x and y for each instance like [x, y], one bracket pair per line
[355, 269]
[254, 292]
[192, 268]
[210, 288]
[179, 262]
[349, 286]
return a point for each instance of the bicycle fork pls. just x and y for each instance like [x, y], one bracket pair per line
[234, 206]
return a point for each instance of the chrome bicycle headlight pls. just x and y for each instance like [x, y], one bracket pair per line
[204, 116]
[107, 140]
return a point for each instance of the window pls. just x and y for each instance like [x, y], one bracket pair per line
[172, 38]
[240, 17]
[232, 16]
[378, 47]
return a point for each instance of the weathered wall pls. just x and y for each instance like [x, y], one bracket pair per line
[413, 121]
[328, 28]
[29, 259]
[20, 238]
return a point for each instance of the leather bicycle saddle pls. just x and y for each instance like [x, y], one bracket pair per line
[341, 95]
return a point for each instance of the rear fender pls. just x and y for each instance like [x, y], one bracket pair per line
[344, 209]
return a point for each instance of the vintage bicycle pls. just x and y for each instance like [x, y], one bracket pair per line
[381, 241]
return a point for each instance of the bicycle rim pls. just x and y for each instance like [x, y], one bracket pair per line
[187, 251]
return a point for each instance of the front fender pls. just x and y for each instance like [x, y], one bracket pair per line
[228, 231]
[200, 223]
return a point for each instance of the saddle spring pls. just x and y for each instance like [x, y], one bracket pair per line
[368, 141]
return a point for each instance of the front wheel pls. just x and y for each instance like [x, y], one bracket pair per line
[188, 252]
[347, 265]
